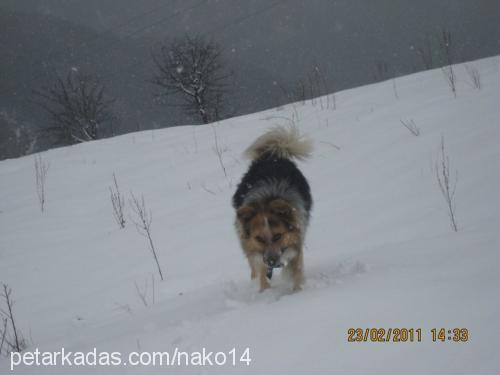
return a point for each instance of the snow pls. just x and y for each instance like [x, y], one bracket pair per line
[380, 250]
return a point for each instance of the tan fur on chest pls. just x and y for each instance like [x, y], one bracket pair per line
[267, 231]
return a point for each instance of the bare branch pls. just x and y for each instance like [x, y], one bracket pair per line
[330, 144]
[118, 203]
[41, 169]
[446, 185]
[446, 46]
[411, 126]
[142, 293]
[3, 332]
[143, 225]
[16, 342]
[153, 285]
[218, 151]
[474, 76]
[207, 189]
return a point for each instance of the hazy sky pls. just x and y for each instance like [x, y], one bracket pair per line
[269, 44]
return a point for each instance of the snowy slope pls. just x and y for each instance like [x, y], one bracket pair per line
[380, 250]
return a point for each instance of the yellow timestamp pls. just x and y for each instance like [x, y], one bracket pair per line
[406, 334]
[454, 334]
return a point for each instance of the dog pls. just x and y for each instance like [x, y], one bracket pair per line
[273, 203]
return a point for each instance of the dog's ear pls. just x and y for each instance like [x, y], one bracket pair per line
[281, 208]
[245, 213]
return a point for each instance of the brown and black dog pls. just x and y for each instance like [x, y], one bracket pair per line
[273, 203]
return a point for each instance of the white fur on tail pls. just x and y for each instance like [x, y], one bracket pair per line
[282, 142]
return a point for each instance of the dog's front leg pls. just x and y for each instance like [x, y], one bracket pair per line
[264, 284]
[253, 267]
[296, 267]
[258, 269]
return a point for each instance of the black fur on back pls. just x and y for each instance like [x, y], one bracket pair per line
[269, 168]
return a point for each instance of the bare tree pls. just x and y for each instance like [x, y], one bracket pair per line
[299, 92]
[77, 106]
[381, 71]
[142, 293]
[143, 225]
[451, 78]
[411, 126]
[426, 53]
[16, 341]
[474, 76]
[446, 185]
[41, 169]
[3, 333]
[219, 151]
[394, 87]
[446, 46]
[192, 69]
[324, 89]
[153, 287]
[118, 203]
[314, 87]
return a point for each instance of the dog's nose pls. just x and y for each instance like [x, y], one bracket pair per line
[272, 260]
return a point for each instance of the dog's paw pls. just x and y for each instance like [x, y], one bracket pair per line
[297, 288]
[264, 287]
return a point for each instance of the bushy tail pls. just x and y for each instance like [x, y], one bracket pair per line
[281, 142]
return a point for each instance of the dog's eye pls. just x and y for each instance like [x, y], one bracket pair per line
[277, 237]
[260, 239]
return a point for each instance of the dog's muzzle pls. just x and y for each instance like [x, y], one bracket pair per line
[272, 260]
[277, 260]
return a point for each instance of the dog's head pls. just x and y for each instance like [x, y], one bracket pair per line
[270, 229]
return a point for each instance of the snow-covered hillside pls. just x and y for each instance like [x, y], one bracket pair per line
[380, 253]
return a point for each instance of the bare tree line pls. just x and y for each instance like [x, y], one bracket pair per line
[191, 72]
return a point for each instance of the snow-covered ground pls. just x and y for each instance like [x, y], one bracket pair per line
[380, 250]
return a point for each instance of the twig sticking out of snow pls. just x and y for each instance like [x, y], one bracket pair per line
[143, 225]
[15, 341]
[411, 126]
[41, 169]
[474, 76]
[118, 203]
[447, 186]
